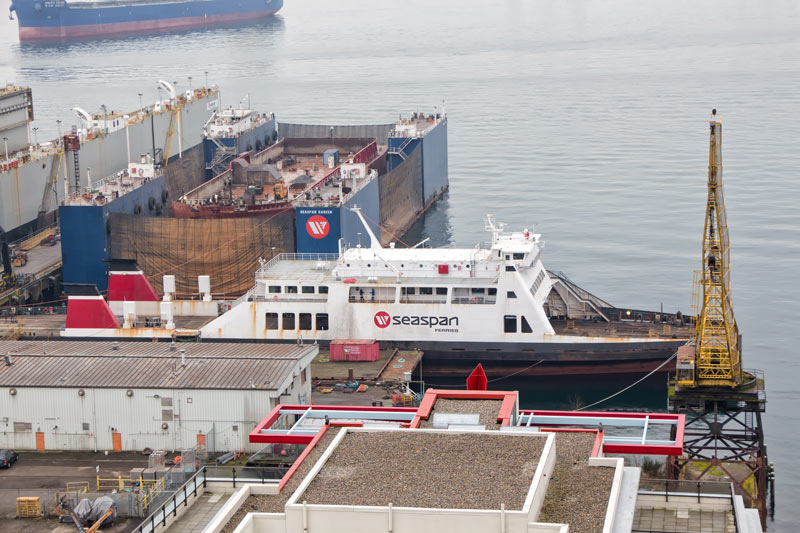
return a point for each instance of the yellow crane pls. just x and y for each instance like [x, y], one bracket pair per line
[714, 358]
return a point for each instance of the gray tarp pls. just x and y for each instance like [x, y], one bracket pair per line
[99, 508]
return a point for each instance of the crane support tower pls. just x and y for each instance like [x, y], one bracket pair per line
[724, 437]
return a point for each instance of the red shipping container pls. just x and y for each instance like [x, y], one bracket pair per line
[355, 350]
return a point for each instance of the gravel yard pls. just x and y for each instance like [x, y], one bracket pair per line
[578, 493]
[487, 409]
[275, 503]
[433, 470]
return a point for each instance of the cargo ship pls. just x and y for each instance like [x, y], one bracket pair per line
[48, 20]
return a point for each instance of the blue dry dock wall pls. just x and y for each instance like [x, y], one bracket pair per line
[84, 245]
[256, 140]
[368, 200]
[434, 162]
[318, 230]
[408, 145]
[85, 248]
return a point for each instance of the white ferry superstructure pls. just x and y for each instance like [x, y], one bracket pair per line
[490, 304]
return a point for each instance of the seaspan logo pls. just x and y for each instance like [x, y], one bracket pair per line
[382, 319]
[318, 227]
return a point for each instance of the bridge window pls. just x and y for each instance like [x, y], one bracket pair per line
[510, 323]
[288, 320]
[291, 289]
[518, 256]
[511, 294]
[511, 268]
[306, 289]
[274, 289]
[272, 320]
[322, 321]
[323, 289]
[526, 328]
[305, 321]
[441, 291]
[426, 290]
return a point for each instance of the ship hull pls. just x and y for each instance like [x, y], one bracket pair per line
[58, 20]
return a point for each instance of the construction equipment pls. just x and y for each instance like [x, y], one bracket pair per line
[20, 258]
[99, 522]
[279, 190]
[715, 360]
[723, 435]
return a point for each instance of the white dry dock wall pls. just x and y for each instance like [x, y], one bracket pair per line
[168, 419]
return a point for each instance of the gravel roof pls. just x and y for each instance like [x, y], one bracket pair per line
[275, 503]
[425, 469]
[487, 409]
[578, 493]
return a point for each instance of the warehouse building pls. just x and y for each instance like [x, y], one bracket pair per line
[103, 395]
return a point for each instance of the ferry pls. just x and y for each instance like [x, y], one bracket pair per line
[495, 304]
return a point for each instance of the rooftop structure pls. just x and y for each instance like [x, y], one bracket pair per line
[366, 467]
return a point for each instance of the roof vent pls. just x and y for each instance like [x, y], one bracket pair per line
[173, 346]
[8, 360]
[115, 345]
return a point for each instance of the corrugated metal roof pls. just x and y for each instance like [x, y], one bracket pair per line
[107, 364]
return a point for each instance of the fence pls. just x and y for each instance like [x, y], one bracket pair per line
[679, 487]
[169, 507]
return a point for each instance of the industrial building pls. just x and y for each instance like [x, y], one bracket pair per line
[130, 396]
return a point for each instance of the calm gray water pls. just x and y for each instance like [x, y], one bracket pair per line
[585, 118]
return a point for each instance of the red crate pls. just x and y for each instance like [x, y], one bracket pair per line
[355, 350]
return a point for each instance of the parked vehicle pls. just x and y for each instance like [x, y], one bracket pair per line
[7, 458]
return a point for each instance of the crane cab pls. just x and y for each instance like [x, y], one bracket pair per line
[684, 368]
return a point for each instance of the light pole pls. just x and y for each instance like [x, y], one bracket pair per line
[206, 73]
[140, 101]
[58, 123]
[5, 141]
[35, 137]
[190, 83]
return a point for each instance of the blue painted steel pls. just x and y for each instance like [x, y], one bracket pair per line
[318, 229]
[84, 240]
[256, 140]
[403, 144]
[59, 13]
[434, 162]
[368, 200]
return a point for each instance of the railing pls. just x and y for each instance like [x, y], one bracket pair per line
[296, 257]
[227, 474]
[474, 300]
[679, 487]
[170, 506]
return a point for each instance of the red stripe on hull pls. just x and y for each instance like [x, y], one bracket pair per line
[49, 33]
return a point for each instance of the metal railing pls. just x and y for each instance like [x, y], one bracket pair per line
[244, 474]
[169, 507]
[690, 488]
[296, 257]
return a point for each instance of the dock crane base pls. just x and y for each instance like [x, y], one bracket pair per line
[724, 438]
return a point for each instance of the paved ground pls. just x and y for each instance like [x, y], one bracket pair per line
[51, 525]
[44, 473]
[200, 513]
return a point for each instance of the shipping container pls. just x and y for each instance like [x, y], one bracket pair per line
[355, 350]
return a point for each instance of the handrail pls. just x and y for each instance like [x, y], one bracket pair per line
[170, 505]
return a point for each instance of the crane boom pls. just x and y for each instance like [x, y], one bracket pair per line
[717, 358]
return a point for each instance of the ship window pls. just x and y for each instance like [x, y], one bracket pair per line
[291, 289]
[409, 290]
[305, 321]
[322, 321]
[511, 294]
[441, 291]
[492, 292]
[272, 320]
[519, 256]
[426, 290]
[524, 326]
[323, 289]
[369, 264]
[510, 323]
[508, 257]
[307, 290]
[288, 320]
[420, 266]
[467, 266]
[479, 291]
[511, 268]
[274, 289]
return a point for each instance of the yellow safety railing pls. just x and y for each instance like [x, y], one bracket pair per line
[153, 491]
[78, 487]
[118, 483]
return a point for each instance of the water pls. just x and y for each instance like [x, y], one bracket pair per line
[586, 118]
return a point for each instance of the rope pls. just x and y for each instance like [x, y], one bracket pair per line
[659, 367]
